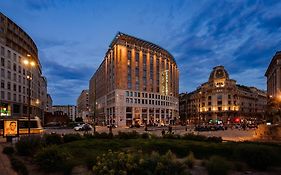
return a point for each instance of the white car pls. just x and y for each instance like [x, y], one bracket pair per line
[83, 127]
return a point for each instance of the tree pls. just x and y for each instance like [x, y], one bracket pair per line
[273, 110]
[79, 119]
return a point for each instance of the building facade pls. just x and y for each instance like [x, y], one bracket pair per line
[273, 75]
[83, 106]
[137, 83]
[15, 47]
[222, 100]
[69, 110]
[49, 104]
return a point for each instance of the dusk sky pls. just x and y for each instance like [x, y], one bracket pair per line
[72, 37]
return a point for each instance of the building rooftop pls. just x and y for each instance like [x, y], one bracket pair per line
[141, 42]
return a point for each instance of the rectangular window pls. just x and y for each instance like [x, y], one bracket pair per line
[9, 64]
[2, 51]
[3, 73]
[15, 97]
[9, 54]
[15, 67]
[9, 86]
[2, 94]
[129, 85]
[9, 96]
[15, 77]
[15, 57]
[9, 75]
[129, 55]
[3, 62]
[3, 84]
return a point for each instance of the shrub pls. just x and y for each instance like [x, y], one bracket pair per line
[217, 166]
[52, 159]
[259, 157]
[194, 137]
[239, 166]
[28, 145]
[52, 139]
[145, 136]
[71, 137]
[128, 135]
[190, 160]
[214, 139]
[137, 163]
[103, 135]
[9, 150]
[19, 166]
[171, 136]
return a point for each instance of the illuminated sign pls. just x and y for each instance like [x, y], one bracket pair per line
[5, 110]
[10, 128]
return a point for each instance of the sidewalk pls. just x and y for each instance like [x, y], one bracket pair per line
[5, 165]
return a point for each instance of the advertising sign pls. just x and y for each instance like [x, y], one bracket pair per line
[5, 109]
[10, 128]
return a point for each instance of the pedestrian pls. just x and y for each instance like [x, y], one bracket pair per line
[163, 132]
[170, 129]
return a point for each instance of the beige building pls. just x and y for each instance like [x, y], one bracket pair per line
[221, 99]
[49, 104]
[69, 110]
[137, 83]
[16, 46]
[83, 106]
[273, 74]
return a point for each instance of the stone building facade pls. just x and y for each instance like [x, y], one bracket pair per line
[222, 100]
[137, 83]
[16, 46]
[69, 110]
[83, 106]
[273, 74]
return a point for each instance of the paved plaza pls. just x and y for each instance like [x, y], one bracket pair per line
[228, 135]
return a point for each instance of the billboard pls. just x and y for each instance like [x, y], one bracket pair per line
[10, 128]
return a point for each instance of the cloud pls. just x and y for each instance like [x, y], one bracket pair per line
[241, 36]
[73, 36]
[65, 83]
[39, 5]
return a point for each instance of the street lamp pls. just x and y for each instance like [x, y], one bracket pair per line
[29, 63]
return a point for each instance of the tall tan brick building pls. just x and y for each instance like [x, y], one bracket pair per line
[137, 83]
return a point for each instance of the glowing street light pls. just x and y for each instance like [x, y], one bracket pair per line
[29, 63]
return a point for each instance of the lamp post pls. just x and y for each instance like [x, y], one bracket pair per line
[29, 63]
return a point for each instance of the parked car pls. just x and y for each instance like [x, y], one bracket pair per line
[136, 125]
[83, 127]
[209, 128]
[112, 125]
